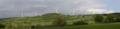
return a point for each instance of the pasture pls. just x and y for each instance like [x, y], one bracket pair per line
[94, 26]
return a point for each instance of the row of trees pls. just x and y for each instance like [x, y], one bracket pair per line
[108, 19]
[62, 22]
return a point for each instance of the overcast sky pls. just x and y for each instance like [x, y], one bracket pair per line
[13, 8]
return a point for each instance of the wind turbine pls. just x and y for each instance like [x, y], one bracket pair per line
[86, 12]
[99, 12]
[35, 13]
[22, 13]
[73, 10]
[95, 11]
[56, 8]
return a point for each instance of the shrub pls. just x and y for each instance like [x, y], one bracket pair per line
[98, 18]
[80, 23]
[20, 25]
[2, 26]
[59, 22]
[38, 25]
[29, 25]
[10, 25]
[86, 19]
[117, 19]
[105, 21]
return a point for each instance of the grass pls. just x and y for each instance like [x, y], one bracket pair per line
[95, 26]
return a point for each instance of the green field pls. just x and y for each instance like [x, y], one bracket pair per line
[47, 19]
[94, 26]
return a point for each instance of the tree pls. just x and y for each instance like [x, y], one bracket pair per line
[110, 18]
[2, 26]
[10, 25]
[98, 18]
[59, 21]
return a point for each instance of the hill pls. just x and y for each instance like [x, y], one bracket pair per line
[116, 14]
[46, 19]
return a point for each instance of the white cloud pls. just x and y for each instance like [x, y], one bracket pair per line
[99, 11]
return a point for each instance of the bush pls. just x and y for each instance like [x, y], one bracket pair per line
[117, 19]
[80, 23]
[29, 25]
[38, 25]
[86, 19]
[98, 18]
[59, 22]
[105, 21]
[2, 26]
[20, 26]
[10, 25]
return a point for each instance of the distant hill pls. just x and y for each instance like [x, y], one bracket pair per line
[116, 14]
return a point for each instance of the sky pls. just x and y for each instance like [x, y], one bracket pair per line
[13, 8]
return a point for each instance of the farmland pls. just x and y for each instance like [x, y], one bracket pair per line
[95, 26]
[47, 19]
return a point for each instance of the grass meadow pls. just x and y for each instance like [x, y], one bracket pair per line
[94, 26]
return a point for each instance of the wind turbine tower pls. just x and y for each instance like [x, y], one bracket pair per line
[86, 11]
[56, 8]
[22, 13]
[73, 10]
[35, 13]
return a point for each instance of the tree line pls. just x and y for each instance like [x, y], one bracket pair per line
[110, 18]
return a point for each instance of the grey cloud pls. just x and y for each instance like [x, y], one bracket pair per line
[13, 8]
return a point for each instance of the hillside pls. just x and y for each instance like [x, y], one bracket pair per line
[116, 14]
[46, 19]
